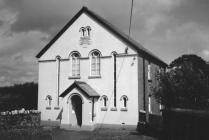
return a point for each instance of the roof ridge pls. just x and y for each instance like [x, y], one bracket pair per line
[123, 34]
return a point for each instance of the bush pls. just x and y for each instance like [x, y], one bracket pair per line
[185, 84]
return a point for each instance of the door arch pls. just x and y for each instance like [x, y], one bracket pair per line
[76, 102]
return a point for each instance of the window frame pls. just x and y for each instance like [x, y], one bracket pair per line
[149, 72]
[95, 64]
[150, 104]
[75, 65]
[104, 100]
[82, 30]
[124, 100]
[49, 102]
[88, 28]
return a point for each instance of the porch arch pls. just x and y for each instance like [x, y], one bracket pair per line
[69, 98]
[76, 109]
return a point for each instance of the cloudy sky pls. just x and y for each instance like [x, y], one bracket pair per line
[168, 28]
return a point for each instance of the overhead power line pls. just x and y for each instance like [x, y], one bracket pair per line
[118, 75]
[130, 22]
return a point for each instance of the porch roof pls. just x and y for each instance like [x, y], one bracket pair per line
[85, 89]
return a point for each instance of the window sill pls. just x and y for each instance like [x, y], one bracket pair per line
[104, 109]
[48, 108]
[124, 109]
[56, 108]
[113, 109]
[94, 115]
[142, 111]
[74, 77]
[94, 77]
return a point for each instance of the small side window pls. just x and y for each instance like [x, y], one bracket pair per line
[149, 72]
[124, 100]
[48, 102]
[161, 107]
[149, 104]
[104, 100]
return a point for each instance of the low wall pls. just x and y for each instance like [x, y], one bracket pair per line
[185, 124]
[150, 125]
[154, 120]
[20, 120]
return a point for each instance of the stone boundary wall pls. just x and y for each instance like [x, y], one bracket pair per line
[17, 120]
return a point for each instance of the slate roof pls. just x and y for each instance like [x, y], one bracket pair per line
[85, 89]
[135, 45]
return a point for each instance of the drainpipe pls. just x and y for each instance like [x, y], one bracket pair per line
[58, 88]
[58, 78]
[114, 55]
[144, 86]
[92, 109]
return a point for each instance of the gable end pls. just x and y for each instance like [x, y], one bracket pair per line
[135, 45]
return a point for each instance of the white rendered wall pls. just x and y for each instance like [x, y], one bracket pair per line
[106, 43]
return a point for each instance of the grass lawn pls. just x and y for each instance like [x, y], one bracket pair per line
[101, 134]
[25, 134]
[60, 134]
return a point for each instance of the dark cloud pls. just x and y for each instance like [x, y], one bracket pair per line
[13, 4]
[21, 45]
[17, 69]
[166, 27]
[17, 57]
[50, 15]
[42, 15]
[193, 11]
[41, 23]
[1, 22]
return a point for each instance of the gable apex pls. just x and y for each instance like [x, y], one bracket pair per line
[125, 38]
[83, 10]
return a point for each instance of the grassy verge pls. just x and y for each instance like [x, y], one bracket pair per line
[26, 134]
[60, 134]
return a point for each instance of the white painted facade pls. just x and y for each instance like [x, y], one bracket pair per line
[55, 76]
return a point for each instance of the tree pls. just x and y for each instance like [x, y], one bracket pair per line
[19, 96]
[185, 84]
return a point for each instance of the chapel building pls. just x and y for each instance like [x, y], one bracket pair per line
[93, 75]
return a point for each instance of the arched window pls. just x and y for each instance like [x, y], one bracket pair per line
[149, 72]
[104, 100]
[82, 30]
[48, 100]
[88, 28]
[95, 63]
[161, 107]
[75, 57]
[124, 100]
[149, 104]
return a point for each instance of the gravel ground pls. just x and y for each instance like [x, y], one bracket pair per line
[101, 134]
[49, 133]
